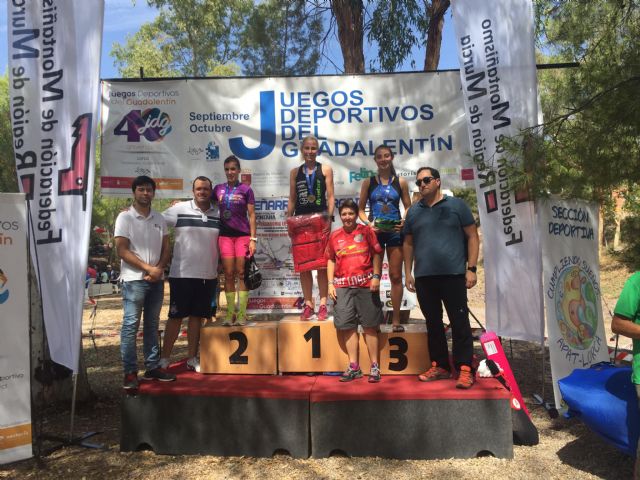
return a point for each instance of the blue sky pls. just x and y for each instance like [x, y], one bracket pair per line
[122, 18]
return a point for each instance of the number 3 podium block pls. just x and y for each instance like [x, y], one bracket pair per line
[405, 353]
[250, 349]
[309, 346]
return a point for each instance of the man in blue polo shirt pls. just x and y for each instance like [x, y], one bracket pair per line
[441, 236]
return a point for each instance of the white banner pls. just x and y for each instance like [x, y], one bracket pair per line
[54, 58]
[498, 73]
[175, 130]
[569, 235]
[15, 372]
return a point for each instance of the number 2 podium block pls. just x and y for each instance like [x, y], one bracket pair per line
[250, 349]
[309, 346]
[405, 353]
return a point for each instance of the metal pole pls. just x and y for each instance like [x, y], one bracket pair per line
[73, 405]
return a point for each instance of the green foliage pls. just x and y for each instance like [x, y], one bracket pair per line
[470, 198]
[592, 129]
[188, 38]
[8, 179]
[201, 34]
[396, 26]
[630, 228]
[281, 38]
[146, 49]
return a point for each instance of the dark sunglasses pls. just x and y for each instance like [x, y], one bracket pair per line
[426, 180]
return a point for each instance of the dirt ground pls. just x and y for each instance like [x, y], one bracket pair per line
[567, 449]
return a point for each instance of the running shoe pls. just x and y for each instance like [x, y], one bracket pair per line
[322, 312]
[130, 381]
[434, 373]
[193, 364]
[374, 374]
[158, 374]
[465, 379]
[307, 313]
[350, 374]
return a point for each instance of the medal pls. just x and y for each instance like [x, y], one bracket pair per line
[228, 196]
[311, 198]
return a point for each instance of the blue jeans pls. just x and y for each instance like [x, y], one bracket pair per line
[139, 295]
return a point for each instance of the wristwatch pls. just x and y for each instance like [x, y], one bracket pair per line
[253, 239]
[376, 276]
[472, 269]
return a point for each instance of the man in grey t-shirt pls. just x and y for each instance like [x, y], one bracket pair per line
[441, 236]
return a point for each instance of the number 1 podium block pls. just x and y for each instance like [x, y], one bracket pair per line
[250, 349]
[309, 346]
[405, 353]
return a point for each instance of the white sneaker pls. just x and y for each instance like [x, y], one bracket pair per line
[194, 364]
[163, 363]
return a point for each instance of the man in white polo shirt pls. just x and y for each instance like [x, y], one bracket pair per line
[142, 243]
[194, 268]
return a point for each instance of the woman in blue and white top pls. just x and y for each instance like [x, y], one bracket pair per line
[384, 192]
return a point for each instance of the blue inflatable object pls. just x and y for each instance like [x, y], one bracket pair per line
[606, 401]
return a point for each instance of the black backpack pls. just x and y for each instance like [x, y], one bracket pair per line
[252, 275]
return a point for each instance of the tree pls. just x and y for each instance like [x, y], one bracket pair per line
[281, 38]
[590, 141]
[200, 34]
[592, 113]
[8, 178]
[146, 49]
[395, 27]
[435, 23]
[349, 16]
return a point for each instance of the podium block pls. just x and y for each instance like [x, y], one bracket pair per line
[309, 346]
[250, 349]
[405, 353]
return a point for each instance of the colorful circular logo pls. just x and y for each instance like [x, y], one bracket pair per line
[576, 307]
[4, 290]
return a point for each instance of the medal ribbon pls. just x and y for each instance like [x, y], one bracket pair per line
[386, 188]
[310, 180]
[227, 195]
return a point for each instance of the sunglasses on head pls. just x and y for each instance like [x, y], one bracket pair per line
[426, 180]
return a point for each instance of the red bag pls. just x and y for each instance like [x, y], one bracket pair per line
[309, 236]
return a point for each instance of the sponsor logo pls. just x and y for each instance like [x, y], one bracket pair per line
[213, 152]
[153, 124]
[576, 308]
[360, 175]
[4, 290]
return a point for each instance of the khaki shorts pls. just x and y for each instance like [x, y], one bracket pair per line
[357, 306]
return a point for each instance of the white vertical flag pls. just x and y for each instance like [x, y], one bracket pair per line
[54, 64]
[15, 374]
[498, 73]
[569, 236]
